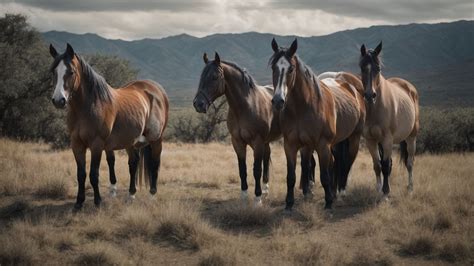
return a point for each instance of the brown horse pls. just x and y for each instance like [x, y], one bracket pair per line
[251, 119]
[392, 117]
[326, 117]
[101, 118]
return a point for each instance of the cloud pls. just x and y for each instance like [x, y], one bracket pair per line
[400, 11]
[121, 19]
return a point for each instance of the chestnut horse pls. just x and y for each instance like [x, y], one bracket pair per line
[100, 118]
[392, 117]
[327, 117]
[250, 120]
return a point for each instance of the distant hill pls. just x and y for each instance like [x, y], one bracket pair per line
[437, 58]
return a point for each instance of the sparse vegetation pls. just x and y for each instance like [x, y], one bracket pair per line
[191, 223]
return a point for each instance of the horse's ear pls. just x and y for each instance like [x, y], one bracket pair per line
[378, 49]
[53, 51]
[69, 51]
[217, 59]
[363, 50]
[204, 57]
[275, 46]
[292, 50]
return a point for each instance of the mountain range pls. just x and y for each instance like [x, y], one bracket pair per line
[437, 58]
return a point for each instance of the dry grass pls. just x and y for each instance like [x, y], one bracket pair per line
[198, 217]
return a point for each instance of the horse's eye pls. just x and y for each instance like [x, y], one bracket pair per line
[290, 69]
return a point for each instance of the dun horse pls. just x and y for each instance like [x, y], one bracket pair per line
[392, 117]
[251, 119]
[326, 117]
[100, 118]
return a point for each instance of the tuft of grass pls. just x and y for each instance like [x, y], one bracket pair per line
[370, 258]
[136, 222]
[181, 226]
[310, 254]
[422, 244]
[52, 188]
[362, 196]
[454, 250]
[17, 250]
[243, 215]
[99, 254]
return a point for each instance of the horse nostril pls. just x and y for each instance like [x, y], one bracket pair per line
[374, 95]
[62, 102]
[52, 100]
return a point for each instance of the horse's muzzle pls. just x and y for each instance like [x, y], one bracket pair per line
[278, 103]
[200, 106]
[60, 104]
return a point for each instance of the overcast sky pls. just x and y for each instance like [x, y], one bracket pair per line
[137, 19]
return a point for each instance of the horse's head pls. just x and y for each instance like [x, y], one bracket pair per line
[65, 75]
[211, 84]
[283, 65]
[370, 67]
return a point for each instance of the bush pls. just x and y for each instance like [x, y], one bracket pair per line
[446, 130]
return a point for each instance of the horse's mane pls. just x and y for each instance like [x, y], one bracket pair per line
[246, 77]
[95, 83]
[310, 77]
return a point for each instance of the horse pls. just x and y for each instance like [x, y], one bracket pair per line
[251, 119]
[392, 117]
[325, 116]
[100, 118]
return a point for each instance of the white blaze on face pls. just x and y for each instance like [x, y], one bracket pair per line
[59, 91]
[281, 87]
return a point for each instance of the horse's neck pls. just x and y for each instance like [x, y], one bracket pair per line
[236, 91]
[83, 103]
[383, 98]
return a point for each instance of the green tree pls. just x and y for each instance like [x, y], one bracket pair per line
[116, 71]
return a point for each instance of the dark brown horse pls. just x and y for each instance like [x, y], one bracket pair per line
[326, 117]
[392, 117]
[100, 118]
[251, 119]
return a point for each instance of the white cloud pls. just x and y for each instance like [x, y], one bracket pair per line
[214, 16]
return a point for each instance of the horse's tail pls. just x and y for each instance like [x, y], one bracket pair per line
[143, 167]
[342, 163]
[404, 152]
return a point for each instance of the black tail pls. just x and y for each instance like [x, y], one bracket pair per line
[342, 163]
[403, 152]
[147, 164]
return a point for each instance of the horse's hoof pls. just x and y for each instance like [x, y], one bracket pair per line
[244, 195]
[328, 206]
[258, 201]
[113, 191]
[97, 202]
[131, 198]
[342, 192]
[266, 189]
[77, 207]
[385, 198]
[288, 209]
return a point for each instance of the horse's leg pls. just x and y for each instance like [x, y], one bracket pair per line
[258, 152]
[326, 162]
[312, 171]
[306, 154]
[386, 163]
[154, 164]
[374, 153]
[411, 148]
[80, 155]
[241, 151]
[113, 179]
[96, 155]
[133, 159]
[266, 168]
[353, 149]
[291, 151]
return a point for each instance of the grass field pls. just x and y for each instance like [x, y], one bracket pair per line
[199, 219]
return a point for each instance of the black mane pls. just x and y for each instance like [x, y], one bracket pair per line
[246, 77]
[96, 84]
